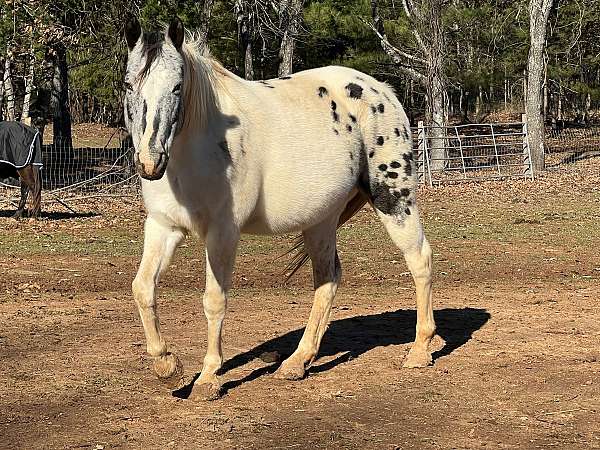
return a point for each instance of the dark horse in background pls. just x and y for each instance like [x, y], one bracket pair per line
[21, 158]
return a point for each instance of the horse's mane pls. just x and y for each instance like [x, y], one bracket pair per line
[199, 79]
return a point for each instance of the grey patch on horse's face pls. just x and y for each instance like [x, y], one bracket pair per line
[380, 140]
[322, 92]
[354, 90]
[154, 78]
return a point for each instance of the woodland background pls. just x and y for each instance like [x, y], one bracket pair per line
[458, 60]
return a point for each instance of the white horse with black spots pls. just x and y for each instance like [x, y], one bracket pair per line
[220, 156]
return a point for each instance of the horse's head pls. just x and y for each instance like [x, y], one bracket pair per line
[153, 104]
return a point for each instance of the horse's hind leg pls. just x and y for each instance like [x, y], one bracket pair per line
[407, 233]
[320, 243]
[160, 242]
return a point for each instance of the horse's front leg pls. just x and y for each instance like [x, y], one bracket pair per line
[221, 245]
[24, 192]
[160, 242]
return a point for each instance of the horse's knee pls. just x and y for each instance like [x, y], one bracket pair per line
[215, 304]
[143, 292]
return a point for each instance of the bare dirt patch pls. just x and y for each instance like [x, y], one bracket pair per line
[516, 292]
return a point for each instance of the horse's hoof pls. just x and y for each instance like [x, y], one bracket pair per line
[207, 391]
[169, 371]
[416, 359]
[291, 373]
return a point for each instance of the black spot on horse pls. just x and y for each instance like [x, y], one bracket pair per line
[373, 109]
[352, 118]
[223, 146]
[407, 157]
[380, 140]
[407, 211]
[405, 192]
[405, 132]
[385, 200]
[349, 128]
[382, 167]
[351, 155]
[392, 174]
[336, 116]
[371, 154]
[360, 78]
[381, 108]
[408, 170]
[395, 164]
[397, 132]
[354, 90]
[265, 84]
[336, 131]
[374, 90]
[322, 92]
[333, 105]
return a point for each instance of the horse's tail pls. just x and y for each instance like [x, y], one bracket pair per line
[36, 192]
[300, 256]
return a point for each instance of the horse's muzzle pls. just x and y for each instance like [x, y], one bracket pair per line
[151, 168]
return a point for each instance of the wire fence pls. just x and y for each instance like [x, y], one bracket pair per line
[471, 152]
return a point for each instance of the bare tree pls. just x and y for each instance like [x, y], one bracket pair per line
[9, 94]
[244, 16]
[290, 15]
[29, 79]
[426, 64]
[539, 11]
[205, 12]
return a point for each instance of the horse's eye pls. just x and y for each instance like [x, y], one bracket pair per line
[177, 89]
[128, 86]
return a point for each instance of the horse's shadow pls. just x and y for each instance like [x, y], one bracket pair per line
[351, 337]
[53, 215]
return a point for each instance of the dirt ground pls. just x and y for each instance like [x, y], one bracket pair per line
[516, 299]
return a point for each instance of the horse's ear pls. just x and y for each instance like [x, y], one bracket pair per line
[133, 31]
[176, 33]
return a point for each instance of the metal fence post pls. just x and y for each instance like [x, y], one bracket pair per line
[527, 165]
[421, 150]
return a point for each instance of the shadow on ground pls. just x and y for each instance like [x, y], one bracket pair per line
[52, 215]
[354, 336]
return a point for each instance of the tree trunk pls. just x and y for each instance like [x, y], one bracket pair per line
[245, 33]
[61, 114]
[205, 12]
[437, 107]
[9, 94]
[28, 89]
[539, 11]
[1, 88]
[290, 13]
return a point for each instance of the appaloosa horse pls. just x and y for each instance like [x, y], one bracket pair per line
[220, 156]
[21, 158]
